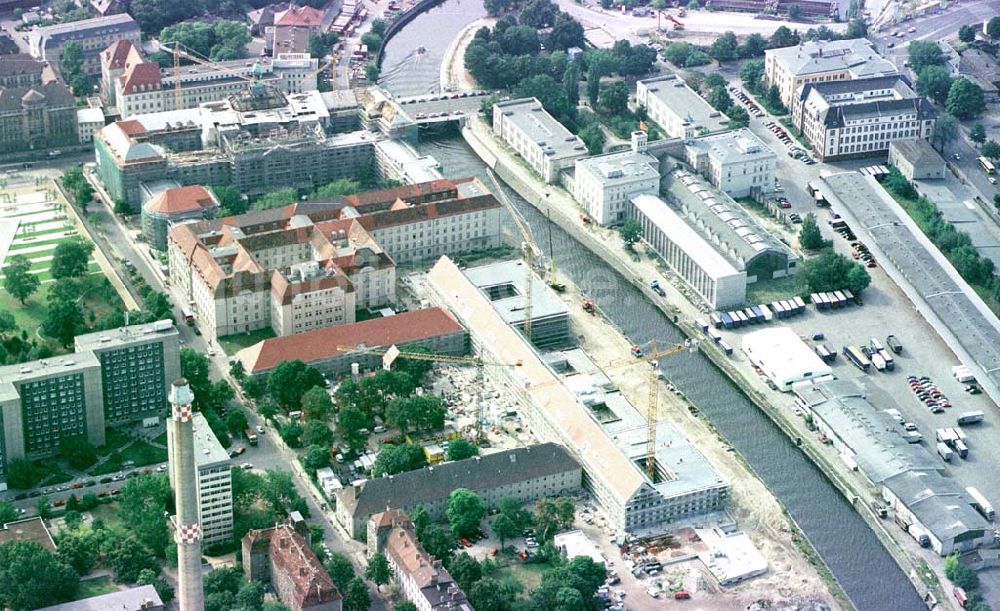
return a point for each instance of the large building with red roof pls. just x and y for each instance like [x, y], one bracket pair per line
[333, 350]
[281, 555]
[172, 206]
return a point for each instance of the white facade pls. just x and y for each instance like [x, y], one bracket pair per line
[215, 487]
[88, 121]
[917, 160]
[604, 184]
[326, 302]
[544, 143]
[693, 258]
[678, 109]
[738, 163]
[784, 357]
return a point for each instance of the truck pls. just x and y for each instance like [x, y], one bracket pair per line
[961, 448]
[944, 451]
[875, 344]
[893, 344]
[980, 504]
[890, 363]
[878, 361]
[251, 436]
[946, 435]
[963, 374]
[857, 357]
[919, 535]
[970, 418]
[825, 354]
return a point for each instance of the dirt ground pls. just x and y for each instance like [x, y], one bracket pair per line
[791, 578]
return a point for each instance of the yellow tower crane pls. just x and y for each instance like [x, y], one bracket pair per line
[390, 354]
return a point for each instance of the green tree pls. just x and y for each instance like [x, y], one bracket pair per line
[126, 557]
[236, 422]
[7, 513]
[720, 100]
[566, 586]
[593, 85]
[965, 99]
[379, 571]
[231, 201]
[489, 594]
[738, 117]
[495, 7]
[421, 520]
[753, 46]
[237, 371]
[630, 232]
[32, 577]
[317, 404]
[316, 433]
[22, 474]
[830, 271]
[857, 28]
[993, 28]
[315, 457]
[934, 82]
[7, 323]
[251, 596]
[290, 380]
[505, 528]
[63, 322]
[276, 199]
[352, 422]
[78, 451]
[677, 53]
[80, 550]
[291, 434]
[552, 515]
[465, 570]
[437, 542]
[149, 577]
[372, 72]
[991, 149]
[566, 32]
[752, 74]
[725, 48]
[978, 134]
[337, 188]
[18, 279]
[593, 137]
[340, 570]
[794, 11]
[223, 580]
[773, 100]
[356, 597]
[519, 40]
[419, 412]
[141, 505]
[465, 511]
[966, 33]
[697, 58]
[392, 459]
[783, 37]
[945, 130]
[72, 59]
[810, 236]
[571, 84]
[460, 449]
[924, 53]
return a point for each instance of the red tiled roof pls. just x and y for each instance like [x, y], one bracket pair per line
[131, 128]
[142, 76]
[418, 213]
[182, 199]
[115, 55]
[325, 343]
[290, 555]
[299, 16]
[408, 193]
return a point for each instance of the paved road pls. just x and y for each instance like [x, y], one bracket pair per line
[932, 27]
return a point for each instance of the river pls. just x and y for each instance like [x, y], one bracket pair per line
[866, 571]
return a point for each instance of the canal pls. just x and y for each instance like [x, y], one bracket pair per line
[869, 575]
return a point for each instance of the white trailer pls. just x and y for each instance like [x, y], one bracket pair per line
[980, 503]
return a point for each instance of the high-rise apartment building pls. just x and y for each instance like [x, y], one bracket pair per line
[214, 484]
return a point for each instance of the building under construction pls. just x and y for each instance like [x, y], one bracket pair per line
[807, 8]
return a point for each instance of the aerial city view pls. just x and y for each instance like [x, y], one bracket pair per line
[499, 305]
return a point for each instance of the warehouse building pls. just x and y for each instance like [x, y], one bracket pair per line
[503, 283]
[611, 449]
[689, 255]
[732, 231]
[916, 159]
[737, 163]
[677, 109]
[909, 477]
[784, 357]
[527, 474]
[546, 146]
[789, 68]
[329, 349]
[603, 184]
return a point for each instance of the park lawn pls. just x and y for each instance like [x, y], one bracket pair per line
[97, 586]
[161, 438]
[142, 454]
[113, 441]
[529, 574]
[766, 291]
[112, 465]
[56, 474]
[31, 314]
[108, 513]
[232, 344]
[25, 245]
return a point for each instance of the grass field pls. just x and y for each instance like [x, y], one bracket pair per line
[528, 574]
[232, 344]
[95, 587]
[140, 453]
[766, 291]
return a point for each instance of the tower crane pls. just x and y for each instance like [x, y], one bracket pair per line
[390, 354]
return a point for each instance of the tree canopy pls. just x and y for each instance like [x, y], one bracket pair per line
[965, 99]
[923, 53]
[830, 271]
[465, 512]
[31, 577]
[392, 459]
[290, 380]
[218, 41]
[18, 279]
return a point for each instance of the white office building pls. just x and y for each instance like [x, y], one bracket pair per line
[737, 162]
[215, 484]
[544, 143]
[688, 254]
[677, 109]
[604, 184]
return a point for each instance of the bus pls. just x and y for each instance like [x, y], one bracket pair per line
[188, 316]
[857, 358]
[987, 166]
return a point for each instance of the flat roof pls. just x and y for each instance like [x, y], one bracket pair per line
[528, 115]
[60, 365]
[857, 55]
[28, 529]
[687, 239]
[511, 305]
[781, 353]
[931, 275]
[875, 438]
[685, 102]
[124, 600]
[576, 543]
[207, 449]
[737, 146]
[112, 338]
[618, 168]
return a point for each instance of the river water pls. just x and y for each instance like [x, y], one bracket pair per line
[872, 580]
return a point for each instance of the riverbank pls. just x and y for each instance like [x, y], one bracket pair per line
[638, 271]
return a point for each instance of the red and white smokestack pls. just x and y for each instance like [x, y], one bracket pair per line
[187, 528]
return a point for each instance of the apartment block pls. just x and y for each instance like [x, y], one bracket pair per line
[860, 118]
[282, 557]
[677, 109]
[421, 578]
[46, 400]
[215, 484]
[738, 162]
[603, 184]
[94, 35]
[138, 363]
[135, 85]
[544, 143]
[789, 68]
